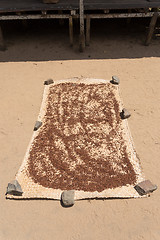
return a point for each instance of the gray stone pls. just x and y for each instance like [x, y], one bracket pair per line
[115, 80]
[67, 198]
[37, 125]
[145, 187]
[14, 188]
[125, 113]
[48, 82]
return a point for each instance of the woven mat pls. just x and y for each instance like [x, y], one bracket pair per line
[82, 145]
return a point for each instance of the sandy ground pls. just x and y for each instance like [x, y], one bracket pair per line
[23, 68]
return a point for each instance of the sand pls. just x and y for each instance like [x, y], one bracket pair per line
[21, 88]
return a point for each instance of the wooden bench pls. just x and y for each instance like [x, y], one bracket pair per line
[84, 10]
[109, 9]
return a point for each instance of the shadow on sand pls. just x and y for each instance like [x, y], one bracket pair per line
[48, 41]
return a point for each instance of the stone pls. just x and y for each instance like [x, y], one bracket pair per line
[125, 113]
[145, 187]
[14, 188]
[115, 80]
[37, 125]
[67, 198]
[48, 82]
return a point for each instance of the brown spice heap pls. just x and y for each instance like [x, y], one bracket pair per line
[80, 145]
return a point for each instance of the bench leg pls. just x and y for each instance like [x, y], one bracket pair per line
[25, 23]
[82, 35]
[2, 45]
[88, 26]
[71, 30]
[61, 21]
[129, 19]
[151, 28]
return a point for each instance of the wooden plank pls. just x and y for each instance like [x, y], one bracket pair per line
[38, 5]
[2, 44]
[71, 30]
[35, 5]
[120, 15]
[88, 24]
[119, 4]
[82, 35]
[35, 16]
[66, 16]
[151, 28]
